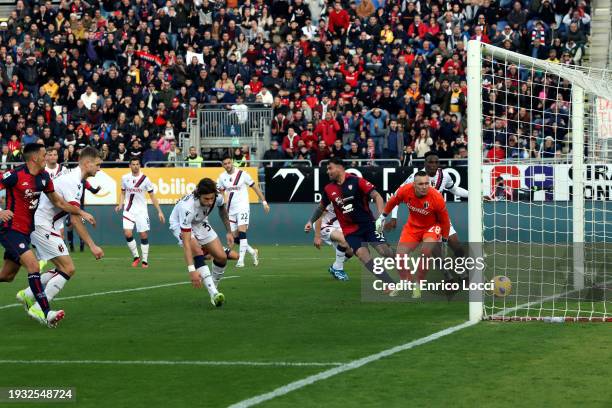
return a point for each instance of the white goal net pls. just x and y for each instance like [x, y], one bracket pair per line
[540, 182]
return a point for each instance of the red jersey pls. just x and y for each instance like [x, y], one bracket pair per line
[351, 202]
[22, 194]
[425, 211]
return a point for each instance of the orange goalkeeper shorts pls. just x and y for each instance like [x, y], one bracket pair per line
[413, 235]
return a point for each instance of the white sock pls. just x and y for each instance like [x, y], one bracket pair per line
[217, 273]
[55, 285]
[144, 248]
[243, 248]
[133, 248]
[250, 249]
[339, 262]
[208, 280]
[44, 279]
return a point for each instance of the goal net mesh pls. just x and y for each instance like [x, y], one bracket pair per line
[531, 112]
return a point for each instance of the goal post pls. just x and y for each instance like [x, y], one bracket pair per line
[540, 179]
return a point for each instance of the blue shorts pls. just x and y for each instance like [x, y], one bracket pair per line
[15, 244]
[366, 234]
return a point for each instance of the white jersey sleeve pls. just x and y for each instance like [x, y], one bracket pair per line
[186, 214]
[136, 188]
[69, 186]
[236, 185]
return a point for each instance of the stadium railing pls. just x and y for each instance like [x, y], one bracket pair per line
[182, 163]
[384, 162]
[219, 126]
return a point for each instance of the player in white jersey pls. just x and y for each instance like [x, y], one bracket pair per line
[235, 183]
[441, 181]
[134, 187]
[49, 221]
[189, 224]
[327, 229]
[52, 166]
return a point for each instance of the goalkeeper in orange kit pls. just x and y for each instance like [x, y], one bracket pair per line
[428, 221]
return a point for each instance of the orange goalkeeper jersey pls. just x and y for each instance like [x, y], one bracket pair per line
[425, 212]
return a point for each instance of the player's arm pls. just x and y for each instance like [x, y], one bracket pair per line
[317, 233]
[224, 215]
[60, 203]
[121, 201]
[390, 206]
[378, 200]
[443, 218]
[261, 197]
[257, 190]
[458, 191]
[194, 276]
[9, 179]
[316, 214]
[160, 213]
[97, 252]
[92, 189]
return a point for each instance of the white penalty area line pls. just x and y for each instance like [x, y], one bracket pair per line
[173, 363]
[296, 385]
[114, 292]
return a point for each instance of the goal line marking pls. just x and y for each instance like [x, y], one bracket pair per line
[285, 389]
[175, 363]
[113, 292]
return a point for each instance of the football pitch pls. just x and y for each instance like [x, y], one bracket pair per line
[289, 335]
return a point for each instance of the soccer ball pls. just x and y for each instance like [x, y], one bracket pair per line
[502, 286]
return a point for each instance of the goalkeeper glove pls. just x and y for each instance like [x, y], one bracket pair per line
[380, 223]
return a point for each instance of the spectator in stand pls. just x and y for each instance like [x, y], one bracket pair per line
[327, 129]
[337, 150]
[174, 153]
[290, 142]
[377, 120]
[153, 154]
[274, 153]
[193, 159]
[108, 64]
[497, 153]
[423, 143]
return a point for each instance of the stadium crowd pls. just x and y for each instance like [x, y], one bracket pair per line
[366, 79]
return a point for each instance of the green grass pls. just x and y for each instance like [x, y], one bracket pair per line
[288, 310]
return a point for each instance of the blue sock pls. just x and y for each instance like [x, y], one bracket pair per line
[38, 291]
[199, 261]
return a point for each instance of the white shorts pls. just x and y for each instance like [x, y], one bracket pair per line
[204, 234]
[49, 244]
[451, 230]
[237, 219]
[326, 234]
[138, 220]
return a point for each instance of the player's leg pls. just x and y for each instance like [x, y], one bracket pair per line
[9, 270]
[242, 221]
[64, 270]
[143, 226]
[208, 241]
[431, 243]
[358, 242]
[343, 253]
[41, 310]
[144, 249]
[49, 246]
[128, 228]
[219, 257]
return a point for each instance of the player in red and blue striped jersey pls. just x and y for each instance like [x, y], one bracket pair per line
[350, 195]
[23, 188]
